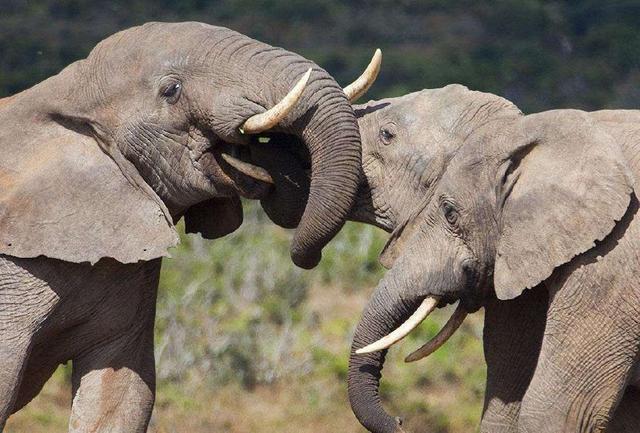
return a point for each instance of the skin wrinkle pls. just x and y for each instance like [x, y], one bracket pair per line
[173, 191]
[163, 182]
[142, 154]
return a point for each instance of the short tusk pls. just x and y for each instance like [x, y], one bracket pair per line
[425, 308]
[359, 87]
[447, 331]
[270, 118]
[250, 170]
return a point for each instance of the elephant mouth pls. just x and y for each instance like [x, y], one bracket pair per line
[421, 307]
[421, 310]
[256, 169]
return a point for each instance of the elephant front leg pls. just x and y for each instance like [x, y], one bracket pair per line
[114, 386]
[14, 352]
[512, 337]
[587, 355]
[26, 302]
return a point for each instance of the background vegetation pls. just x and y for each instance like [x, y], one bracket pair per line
[246, 342]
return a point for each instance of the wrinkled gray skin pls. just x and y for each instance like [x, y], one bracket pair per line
[533, 217]
[97, 164]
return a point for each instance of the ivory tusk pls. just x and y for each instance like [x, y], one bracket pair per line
[425, 308]
[250, 170]
[270, 118]
[447, 331]
[359, 87]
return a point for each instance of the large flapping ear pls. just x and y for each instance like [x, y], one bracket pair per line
[565, 185]
[62, 196]
[214, 218]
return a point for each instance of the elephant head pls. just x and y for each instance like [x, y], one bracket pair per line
[164, 120]
[407, 143]
[521, 196]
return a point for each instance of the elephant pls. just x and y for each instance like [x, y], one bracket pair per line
[531, 217]
[160, 122]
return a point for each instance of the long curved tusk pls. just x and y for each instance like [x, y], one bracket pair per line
[250, 170]
[359, 87]
[447, 331]
[270, 118]
[426, 307]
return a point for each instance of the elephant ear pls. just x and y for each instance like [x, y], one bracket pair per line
[63, 197]
[564, 187]
[214, 218]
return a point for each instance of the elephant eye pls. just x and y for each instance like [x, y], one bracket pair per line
[172, 92]
[386, 135]
[450, 213]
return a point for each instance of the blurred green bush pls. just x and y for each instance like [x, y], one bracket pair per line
[229, 310]
[540, 54]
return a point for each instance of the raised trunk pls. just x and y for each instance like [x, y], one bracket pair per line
[333, 140]
[325, 122]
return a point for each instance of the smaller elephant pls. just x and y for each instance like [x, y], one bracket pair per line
[534, 218]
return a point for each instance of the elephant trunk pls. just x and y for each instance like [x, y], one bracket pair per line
[385, 312]
[405, 296]
[333, 140]
[325, 123]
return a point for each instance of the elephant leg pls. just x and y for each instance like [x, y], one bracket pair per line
[25, 303]
[626, 418]
[35, 376]
[513, 333]
[114, 385]
[14, 353]
[588, 351]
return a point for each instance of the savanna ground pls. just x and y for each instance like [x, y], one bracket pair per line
[247, 343]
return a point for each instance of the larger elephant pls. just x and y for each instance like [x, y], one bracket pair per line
[533, 217]
[98, 163]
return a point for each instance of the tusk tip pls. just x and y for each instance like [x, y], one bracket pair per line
[360, 86]
[445, 333]
[410, 358]
[308, 74]
[253, 171]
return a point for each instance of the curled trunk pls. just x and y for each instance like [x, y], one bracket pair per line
[324, 122]
[333, 140]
